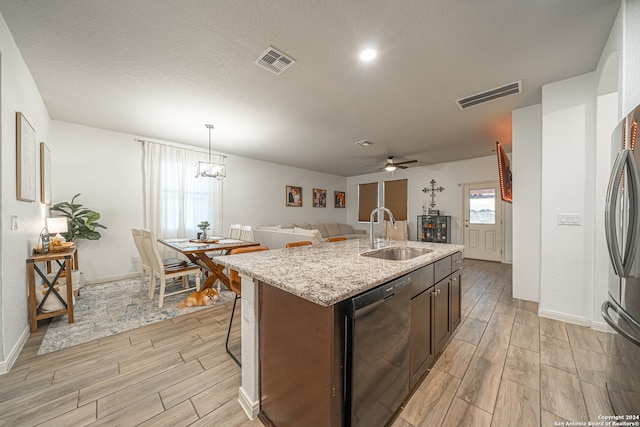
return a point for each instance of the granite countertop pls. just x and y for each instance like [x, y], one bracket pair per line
[329, 273]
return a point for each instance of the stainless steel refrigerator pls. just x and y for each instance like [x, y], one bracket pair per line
[622, 310]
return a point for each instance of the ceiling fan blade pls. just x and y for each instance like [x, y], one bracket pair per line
[404, 163]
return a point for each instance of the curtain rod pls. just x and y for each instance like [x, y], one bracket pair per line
[176, 146]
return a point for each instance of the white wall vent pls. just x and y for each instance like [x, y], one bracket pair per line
[490, 95]
[274, 60]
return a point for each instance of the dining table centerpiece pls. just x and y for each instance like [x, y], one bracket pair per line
[204, 226]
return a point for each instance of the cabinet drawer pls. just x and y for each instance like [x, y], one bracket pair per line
[421, 279]
[456, 261]
[443, 268]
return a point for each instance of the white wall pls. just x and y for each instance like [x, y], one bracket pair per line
[568, 117]
[451, 176]
[18, 93]
[527, 170]
[254, 194]
[105, 167]
[631, 56]
[578, 116]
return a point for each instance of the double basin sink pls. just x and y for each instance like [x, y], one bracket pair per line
[402, 253]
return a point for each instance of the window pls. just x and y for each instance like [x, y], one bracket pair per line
[184, 203]
[175, 201]
[367, 200]
[395, 198]
[482, 206]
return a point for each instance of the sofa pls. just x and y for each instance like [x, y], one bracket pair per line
[277, 236]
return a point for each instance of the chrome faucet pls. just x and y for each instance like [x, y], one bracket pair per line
[373, 212]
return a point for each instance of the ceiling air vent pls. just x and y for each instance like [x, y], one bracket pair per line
[490, 95]
[274, 60]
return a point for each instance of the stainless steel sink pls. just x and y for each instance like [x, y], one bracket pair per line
[398, 253]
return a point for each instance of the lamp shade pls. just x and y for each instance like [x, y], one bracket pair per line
[57, 225]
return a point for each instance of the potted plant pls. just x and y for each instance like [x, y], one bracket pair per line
[204, 226]
[82, 222]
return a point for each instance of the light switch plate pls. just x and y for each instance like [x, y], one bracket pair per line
[569, 219]
[14, 222]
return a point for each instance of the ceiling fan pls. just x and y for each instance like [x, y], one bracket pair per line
[390, 165]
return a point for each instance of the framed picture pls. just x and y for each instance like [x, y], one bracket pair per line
[45, 174]
[25, 159]
[319, 198]
[293, 196]
[340, 199]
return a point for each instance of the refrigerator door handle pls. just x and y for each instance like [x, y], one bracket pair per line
[628, 320]
[610, 211]
[633, 183]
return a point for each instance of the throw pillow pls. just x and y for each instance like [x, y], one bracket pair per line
[345, 229]
[332, 229]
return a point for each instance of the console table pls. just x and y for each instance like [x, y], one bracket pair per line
[65, 260]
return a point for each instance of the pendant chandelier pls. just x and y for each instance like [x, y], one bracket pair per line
[211, 169]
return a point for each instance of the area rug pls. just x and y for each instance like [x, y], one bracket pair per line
[109, 308]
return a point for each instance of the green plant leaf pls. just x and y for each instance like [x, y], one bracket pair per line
[82, 221]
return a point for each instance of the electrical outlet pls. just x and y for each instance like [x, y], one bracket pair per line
[135, 259]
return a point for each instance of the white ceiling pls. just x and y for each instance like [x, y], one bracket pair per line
[162, 69]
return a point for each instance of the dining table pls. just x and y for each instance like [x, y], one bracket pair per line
[197, 250]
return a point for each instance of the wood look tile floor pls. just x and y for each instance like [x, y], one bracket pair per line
[504, 366]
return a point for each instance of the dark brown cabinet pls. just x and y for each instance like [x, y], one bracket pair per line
[301, 360]
[441, 324]
[455, 307]
[435, 312]
[303, 346]
[421, 347]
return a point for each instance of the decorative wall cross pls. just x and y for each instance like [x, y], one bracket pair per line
[433, 190]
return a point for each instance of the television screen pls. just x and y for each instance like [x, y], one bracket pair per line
[504, 170]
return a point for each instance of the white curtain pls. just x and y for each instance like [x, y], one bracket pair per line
[175, 201]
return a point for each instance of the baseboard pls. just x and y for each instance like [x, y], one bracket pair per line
[250, 408]
[563, 317]
[112, 278]
[601, 326]
[6, 365]
[576, 320]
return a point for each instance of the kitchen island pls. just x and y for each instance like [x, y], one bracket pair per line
[293, 322]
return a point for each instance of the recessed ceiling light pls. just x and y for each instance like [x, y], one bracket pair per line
[368, 54]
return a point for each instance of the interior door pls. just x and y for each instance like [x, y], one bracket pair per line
[483, 221]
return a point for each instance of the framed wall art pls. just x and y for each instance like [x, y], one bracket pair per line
[25, 159]
[340, 199]
[45, 174]
[319, 198]
[293, 196]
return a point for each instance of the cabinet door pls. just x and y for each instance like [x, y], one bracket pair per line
[421, 349]
[441, 322]
[455, 308]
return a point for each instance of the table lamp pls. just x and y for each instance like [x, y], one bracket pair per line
[57, 225]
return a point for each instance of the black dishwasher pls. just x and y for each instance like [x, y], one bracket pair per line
[377, 353]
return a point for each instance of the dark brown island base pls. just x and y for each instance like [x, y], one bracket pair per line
[344, 337]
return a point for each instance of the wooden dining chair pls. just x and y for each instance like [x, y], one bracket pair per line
[234, 231]
[163, 272]
[336, 239]
[245, 233]
[295, 244]
[399, 233]
[145, 259]
[235, 285]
